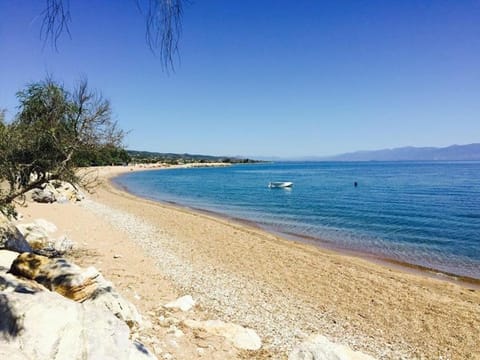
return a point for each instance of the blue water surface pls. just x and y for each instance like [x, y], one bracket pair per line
[421, 213]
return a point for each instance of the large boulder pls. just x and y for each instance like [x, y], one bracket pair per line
[45, 325]
[44, 196]
[73, 282]
[64, 191]
[239, 336]
[55, 191]
[11, 238]
[38, 235]
[106, 296]
[318, 347]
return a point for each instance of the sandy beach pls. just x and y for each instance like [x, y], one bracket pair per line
[284, 290]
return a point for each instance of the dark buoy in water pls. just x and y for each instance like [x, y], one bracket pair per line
[355, 184]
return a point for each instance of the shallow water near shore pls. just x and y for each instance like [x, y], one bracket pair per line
[425, 214]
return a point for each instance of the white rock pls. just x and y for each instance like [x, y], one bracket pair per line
[241, 337]
[47, 326]
[82, 285]
[62, 245]
[43, 196]
[55, 190]
[318, 347]
[183, 303]
[11, 238]
[108, 297]
[6, 258]
[37, 235]
[62, 199]
[46, 225]
[10, 352]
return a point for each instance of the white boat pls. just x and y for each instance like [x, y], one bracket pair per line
[280, 184]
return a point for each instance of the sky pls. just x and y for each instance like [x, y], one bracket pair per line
[266, 78]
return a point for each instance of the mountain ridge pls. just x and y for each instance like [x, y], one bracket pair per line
[468, 152]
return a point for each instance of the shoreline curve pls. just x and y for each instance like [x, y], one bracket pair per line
[323, 245]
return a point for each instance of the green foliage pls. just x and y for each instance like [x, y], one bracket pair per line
[53, 132]
[174, 159]
[107, 155]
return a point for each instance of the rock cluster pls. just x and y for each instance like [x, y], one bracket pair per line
[55, 191]
[44, 325]
[51, 308]
[32, 237]
[38, 236]
[75, 283]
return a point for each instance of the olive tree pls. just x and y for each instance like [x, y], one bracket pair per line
[51, 128]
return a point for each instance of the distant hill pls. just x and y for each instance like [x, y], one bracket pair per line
[172, 158]
[450, 153]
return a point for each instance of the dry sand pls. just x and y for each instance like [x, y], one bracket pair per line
[283, 289]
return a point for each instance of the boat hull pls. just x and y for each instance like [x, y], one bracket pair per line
[280, 184]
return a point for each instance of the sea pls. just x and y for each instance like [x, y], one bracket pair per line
[425, 214]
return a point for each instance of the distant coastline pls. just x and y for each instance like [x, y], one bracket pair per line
[469, 152]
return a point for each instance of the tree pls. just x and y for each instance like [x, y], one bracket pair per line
[51, 128]
[162, 20]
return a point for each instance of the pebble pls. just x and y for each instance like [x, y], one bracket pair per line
[232, 294]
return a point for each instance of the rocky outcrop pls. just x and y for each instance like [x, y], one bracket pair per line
[241, 337]
[55, 191]
[11, 238]
[73, 282]
[37, 234]
[52, 308]
[64, 191]
[44, 196]
[45, 325]
[320, 348]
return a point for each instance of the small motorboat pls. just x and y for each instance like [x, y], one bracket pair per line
[280, 184]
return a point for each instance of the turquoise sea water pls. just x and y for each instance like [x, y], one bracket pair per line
[425, 214]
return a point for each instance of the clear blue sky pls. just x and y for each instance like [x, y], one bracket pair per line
[281, 78]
